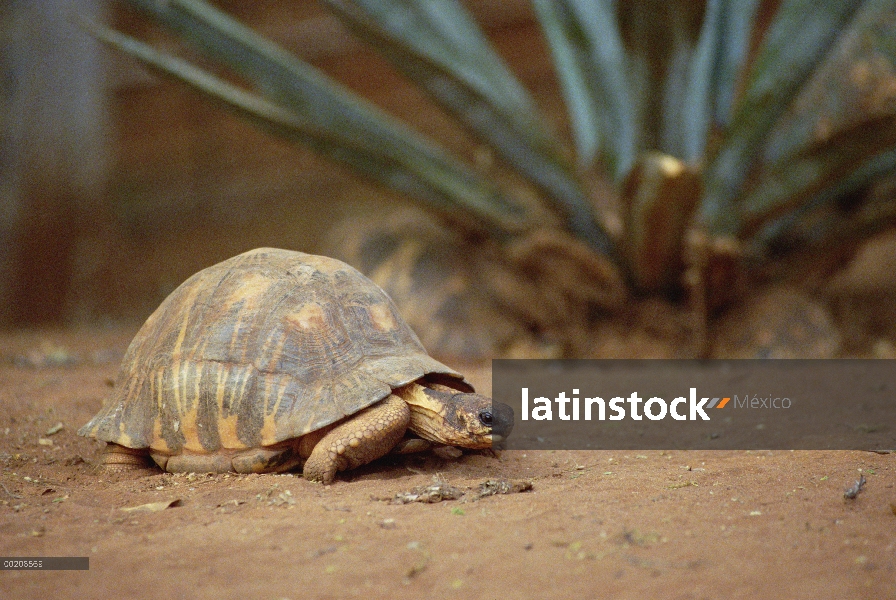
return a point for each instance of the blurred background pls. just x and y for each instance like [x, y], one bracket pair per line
[117, 184]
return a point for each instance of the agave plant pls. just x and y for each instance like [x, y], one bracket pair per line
[725, 131]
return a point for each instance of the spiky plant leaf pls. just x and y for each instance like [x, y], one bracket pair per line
[573, 74]
[736, 27]
[712, 73]
[684, 86]
[329, 117]
[818, 176]
[823, 171]
[800, 37]
[807, 166]
[438, 45]
[836, 95]
[585, 40]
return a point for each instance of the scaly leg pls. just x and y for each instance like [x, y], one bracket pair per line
[118, 457]
[370, 434]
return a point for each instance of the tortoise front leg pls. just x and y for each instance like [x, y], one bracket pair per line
[364, 437]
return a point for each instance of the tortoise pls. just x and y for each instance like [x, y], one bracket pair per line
[274, 360]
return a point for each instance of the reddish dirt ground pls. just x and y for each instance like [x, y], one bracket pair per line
[595, 524]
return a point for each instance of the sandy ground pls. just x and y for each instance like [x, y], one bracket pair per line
[654, 524]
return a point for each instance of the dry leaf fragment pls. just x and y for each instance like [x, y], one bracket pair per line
[503, 486]
[55, 429]
[438, 491]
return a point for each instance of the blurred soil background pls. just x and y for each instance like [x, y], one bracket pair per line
[116, 185]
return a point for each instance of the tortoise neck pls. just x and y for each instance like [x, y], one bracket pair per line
[429, 409]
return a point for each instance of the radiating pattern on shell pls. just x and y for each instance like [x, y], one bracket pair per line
[263, 347]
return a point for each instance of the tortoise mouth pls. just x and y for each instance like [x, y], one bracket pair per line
[502, 421]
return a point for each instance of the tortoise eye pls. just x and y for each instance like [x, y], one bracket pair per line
[485, 418]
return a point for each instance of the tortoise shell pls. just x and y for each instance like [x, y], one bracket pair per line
[266, 346]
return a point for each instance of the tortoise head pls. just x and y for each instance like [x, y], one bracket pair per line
[440, 413]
